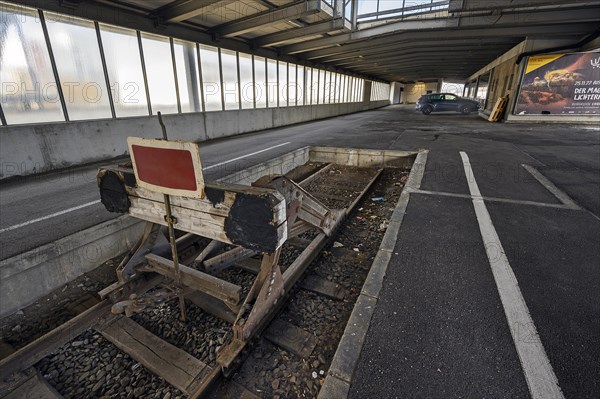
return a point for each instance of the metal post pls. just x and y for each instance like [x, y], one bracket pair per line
[2, 117]
[170, 222]
[139, 35]
[354, 19]
[201, 78]
[172, 45]
[222, 83]
[277, 84]
[61, 94]
[267, 82]
[253, 84]
[105, 69]
[239, 83]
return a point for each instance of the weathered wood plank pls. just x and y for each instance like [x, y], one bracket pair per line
[250, 265]
[195, 279]
[212, 306]
[36, 387]
[177, 367]
[291, 338]
[252, 217]
[48, 343]
[323, 286]
[212, 246]
[298, 242]
[222, 261]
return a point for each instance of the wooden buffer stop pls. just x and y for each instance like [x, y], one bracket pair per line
[164, 186]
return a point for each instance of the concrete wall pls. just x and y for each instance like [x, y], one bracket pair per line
[413, 91]
[26, 277]
[31, 149]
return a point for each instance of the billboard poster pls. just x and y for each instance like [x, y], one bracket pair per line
[560, 84]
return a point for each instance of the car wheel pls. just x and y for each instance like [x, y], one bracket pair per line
[426, 110]
[466, 110]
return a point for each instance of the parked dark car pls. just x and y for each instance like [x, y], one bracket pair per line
[446, 102]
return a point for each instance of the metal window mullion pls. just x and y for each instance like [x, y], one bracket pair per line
[172, 45]
[239, 81]
[222, 82]
[2, 117]
[312, 83]
[144, 73]
[296, 85]
[330, 85]
[105, 70]
[61, 94]
[277, 84]
[287, 85]
[253, 84]
[201, 80]
[318, 86]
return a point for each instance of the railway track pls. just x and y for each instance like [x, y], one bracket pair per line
[187, 367]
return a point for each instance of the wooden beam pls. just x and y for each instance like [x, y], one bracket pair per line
[222, 261]
[177, 367]
[251, 217]
[195, 279]
[291, 338]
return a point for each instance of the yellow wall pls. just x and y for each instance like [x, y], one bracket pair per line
[413, 91]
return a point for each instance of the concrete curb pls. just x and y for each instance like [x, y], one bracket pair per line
[26, 277]
[339, 377]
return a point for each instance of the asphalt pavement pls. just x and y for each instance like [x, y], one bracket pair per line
[441, 327]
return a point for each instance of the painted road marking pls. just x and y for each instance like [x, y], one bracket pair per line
[557, 192]
[540, 377]
[16, 226]
[494, 199]
[245, 156]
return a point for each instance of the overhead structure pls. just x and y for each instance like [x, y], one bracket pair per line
[392, 41]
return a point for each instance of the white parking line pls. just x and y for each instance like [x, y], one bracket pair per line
[245, 156]
[557, 192]
[540, 377]
[16, 226]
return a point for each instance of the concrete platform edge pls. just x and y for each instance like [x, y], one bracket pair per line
[340, 373]
[26, 277]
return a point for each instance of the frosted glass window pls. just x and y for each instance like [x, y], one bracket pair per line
[188, 79]
[344, 89]
[350, 88]
[337, 88]
[230, 80]
[321, 91]
[260, 81]
[160, 74]
[314, 87]
[327, 88]
[246, 81]
[308, 98]
[283, 84]
[75, 47]
[28, 92]
[292, 85]
[300, 91]
[334, 87]
[272, 82]
[124, 65]
[332, 77]
[361, 89]
[211, 78]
